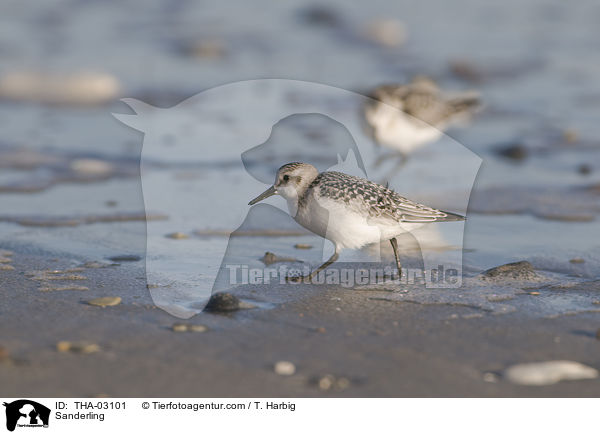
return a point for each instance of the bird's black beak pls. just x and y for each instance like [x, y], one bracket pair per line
[270, 192]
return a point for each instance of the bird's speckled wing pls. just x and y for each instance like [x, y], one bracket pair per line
[374, 200]
[425, 103]
[426, 106]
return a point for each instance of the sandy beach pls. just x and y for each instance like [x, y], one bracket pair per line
[367, 346]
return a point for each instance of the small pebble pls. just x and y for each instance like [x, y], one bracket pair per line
[387, 32]
[584, 169]
[551, 372]
[342, 383]
[329, 381]
[105, 301]
[63, 346]
[303, 246]
[577, 261]
[207, 48]
[3, 354]
[6, 267]
[64, 288]
[497, 298]
[178, 236]
[196, 328]
[490, 377]
[179, 327]
[284, 367]
[77, 347]
[515, 152]
[56, 276]
[570, 135]
[125, 258]
[271, 258]
[4, 260]
[111, 203]
[320, 15]
[91, 166]
[534, 293]
[81, 88]
[326, 382]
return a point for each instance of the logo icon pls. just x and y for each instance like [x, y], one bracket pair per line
[26, 413]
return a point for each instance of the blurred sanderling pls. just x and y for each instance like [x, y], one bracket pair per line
[406, 117]
[349, 211]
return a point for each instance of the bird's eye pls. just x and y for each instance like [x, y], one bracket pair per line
[286, 178]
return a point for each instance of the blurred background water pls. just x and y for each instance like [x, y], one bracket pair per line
[69, 171]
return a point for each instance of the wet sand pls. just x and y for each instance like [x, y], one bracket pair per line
[366, 346]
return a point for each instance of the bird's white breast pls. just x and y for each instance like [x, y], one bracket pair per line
[345, 226]
[395, 129]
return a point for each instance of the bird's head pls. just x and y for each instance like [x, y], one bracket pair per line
[291, 181]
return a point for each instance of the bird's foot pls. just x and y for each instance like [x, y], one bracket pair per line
[298, 279]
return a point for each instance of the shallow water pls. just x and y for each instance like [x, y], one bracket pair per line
[537, 80]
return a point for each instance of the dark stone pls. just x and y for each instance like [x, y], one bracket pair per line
[522, 270]
[320, 16]
[125, 258]
[223, 302]
[584, 169]
[513, 151]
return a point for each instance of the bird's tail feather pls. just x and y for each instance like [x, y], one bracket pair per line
[451, 217]
[465, 103]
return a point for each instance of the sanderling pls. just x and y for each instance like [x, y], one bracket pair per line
[349, 211]
[406, 117]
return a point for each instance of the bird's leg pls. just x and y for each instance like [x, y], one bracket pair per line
[308, 278]
[394, 243]
[382, 158]
[402, 159]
